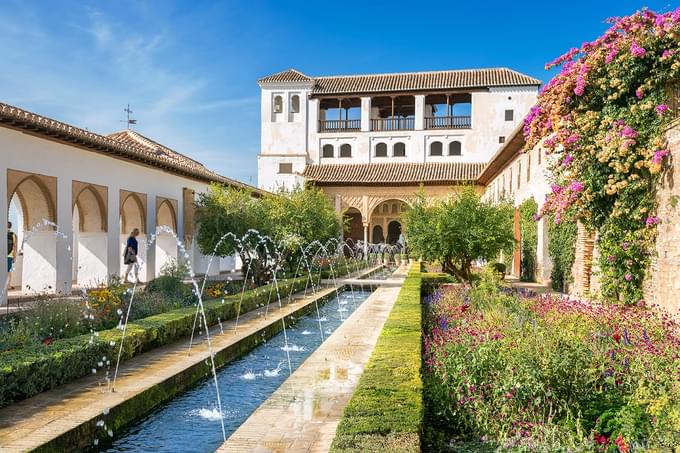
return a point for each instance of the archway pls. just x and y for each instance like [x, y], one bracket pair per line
[393, 232]
[377, 236]
[133, 215]
[166, 230]
[90, 242]
[387, 216]
[353, 226]
[32, 213]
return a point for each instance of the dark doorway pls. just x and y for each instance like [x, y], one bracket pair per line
[393, 232]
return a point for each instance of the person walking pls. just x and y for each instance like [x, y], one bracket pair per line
[130, 256]
[11, 253]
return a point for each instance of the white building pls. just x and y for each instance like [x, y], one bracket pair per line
[421, 117]
[95, 189]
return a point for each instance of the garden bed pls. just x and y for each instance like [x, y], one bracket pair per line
[385, 412]
[523, 372]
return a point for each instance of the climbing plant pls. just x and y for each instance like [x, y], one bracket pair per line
[602, 119]
[527, 222]
[561, 249]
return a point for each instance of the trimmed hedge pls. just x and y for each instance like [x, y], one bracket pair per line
[28, 371]
[386, 410]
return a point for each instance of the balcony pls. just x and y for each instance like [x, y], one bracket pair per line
[448, 122]
[339, 125]
[393, 124]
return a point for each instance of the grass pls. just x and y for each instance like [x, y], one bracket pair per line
[386, 411]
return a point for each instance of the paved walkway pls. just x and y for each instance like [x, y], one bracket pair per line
[303, 414]
[28, 424]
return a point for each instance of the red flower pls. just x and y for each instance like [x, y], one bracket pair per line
[47, 341]
[601, 439]
[621, 443]
[617, 337]
[463, 308]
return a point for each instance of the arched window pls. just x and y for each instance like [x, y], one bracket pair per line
[346, 150]
[436, 149]
[278, 104]
[327, 151]
[295, 104]
[399, 149]
[455, 149]
[381, 150]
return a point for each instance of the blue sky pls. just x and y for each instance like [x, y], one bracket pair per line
[189, 68]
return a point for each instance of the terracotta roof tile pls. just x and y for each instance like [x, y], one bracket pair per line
[408, 81]
[291, 75]
[127, 145]
[393, 173]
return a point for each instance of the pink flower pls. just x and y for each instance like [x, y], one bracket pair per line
[659, 155]
[629, 132]
[625, 246]
[636, 50]
[661, 109]
[653, 220]
[576, 186]
[628, 277]
[667, 54]
[639, 93]
[567, 160]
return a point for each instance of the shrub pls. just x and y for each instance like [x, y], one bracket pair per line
[500, 268]
[385, 412]
[546, 373]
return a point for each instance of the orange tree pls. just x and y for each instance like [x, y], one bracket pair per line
[602, 118]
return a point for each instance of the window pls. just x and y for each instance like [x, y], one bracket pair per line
[395, 208]
[285, 168]
[501, 139]
[509, 115]
[295, 104]
[399, 150]
[381, 150]
[519, 174]
[327, 151]
[455, 149]
[529, 166]
[278, 104]
[540, 151]
[436, 149]
[346, 150]
[510, 181]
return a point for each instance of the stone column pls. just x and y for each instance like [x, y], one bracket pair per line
[113, 233]
[4, 209]
[365, 239]
[420, 112]
[64, 249]
[365, 114]
[543, 262]
[150, 234]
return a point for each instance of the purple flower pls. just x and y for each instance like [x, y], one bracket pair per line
[611, 258]
[611, 55]
[636, 50]
[629, 132]
[443, 324]
[576, 186]
[628, 277]
[661, 109]
[659, 155]
[567, 160]
[625, 246]
[653, 220]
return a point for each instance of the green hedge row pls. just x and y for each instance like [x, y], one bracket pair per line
[28, 371]
[386, 411]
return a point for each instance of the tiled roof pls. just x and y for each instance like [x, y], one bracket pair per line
[409, 81]
[291, 75]
[127, 145]
[393, 173]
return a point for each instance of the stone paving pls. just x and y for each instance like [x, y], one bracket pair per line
[31, 423]
[303, 414]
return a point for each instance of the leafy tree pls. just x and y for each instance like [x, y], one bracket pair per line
[527, 221]
[458, 230]
[291, 220]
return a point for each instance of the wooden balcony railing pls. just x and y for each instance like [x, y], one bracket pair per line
[339, 125]
[448, 122]
[393, 124]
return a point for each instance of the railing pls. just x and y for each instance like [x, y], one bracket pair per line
[393, 124]
[448, 122]
[339, 125]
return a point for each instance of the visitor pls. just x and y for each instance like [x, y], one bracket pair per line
[130, 256]
[11, 253]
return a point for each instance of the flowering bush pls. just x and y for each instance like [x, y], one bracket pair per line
[108, 302]
[602, 118]
[547, 373]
